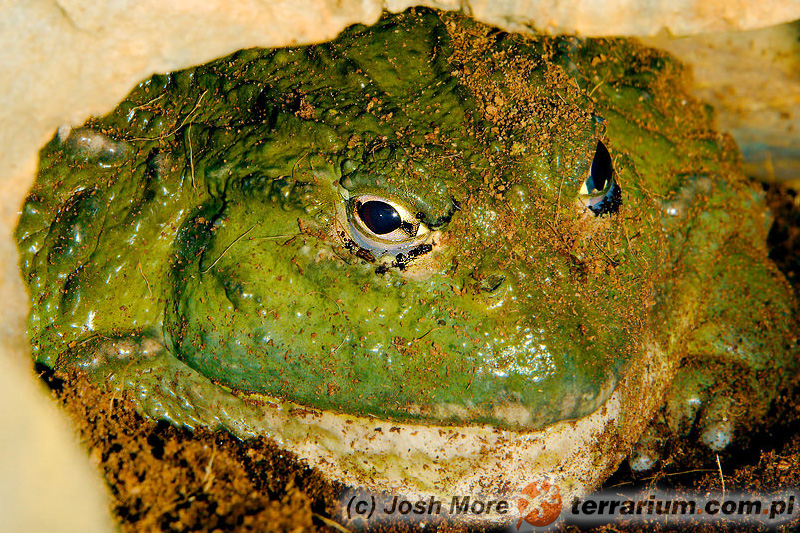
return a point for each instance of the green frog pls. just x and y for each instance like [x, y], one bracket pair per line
[427, 256]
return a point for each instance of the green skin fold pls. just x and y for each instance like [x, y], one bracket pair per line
[214, 220]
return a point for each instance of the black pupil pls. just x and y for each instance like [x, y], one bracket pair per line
[380, 217]
[601, 170]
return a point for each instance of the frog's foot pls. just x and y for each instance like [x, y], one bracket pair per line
[702, 405]
[160, 385]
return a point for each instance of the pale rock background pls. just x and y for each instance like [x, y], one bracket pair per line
[62, 61]
[752, 78]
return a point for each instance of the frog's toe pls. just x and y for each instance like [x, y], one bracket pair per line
[685, 399]
[728, 404]
[696, 404]
[718, 426]
[709, 403]
[648, 451]
[699, 404]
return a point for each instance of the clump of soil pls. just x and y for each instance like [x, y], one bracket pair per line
[163, 478]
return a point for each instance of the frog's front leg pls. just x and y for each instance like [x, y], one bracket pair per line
[740, 356]
[160, 385]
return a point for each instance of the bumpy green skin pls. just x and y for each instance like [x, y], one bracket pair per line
[212, 221]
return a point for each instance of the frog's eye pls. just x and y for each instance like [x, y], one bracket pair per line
[381, 218]
[600, 192]
[383, 226]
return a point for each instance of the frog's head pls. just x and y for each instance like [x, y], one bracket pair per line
[408, 250]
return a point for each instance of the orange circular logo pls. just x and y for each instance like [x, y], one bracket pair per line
[539, 503]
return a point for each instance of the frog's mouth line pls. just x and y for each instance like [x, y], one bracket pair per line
[419, 460]
[516, 415]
